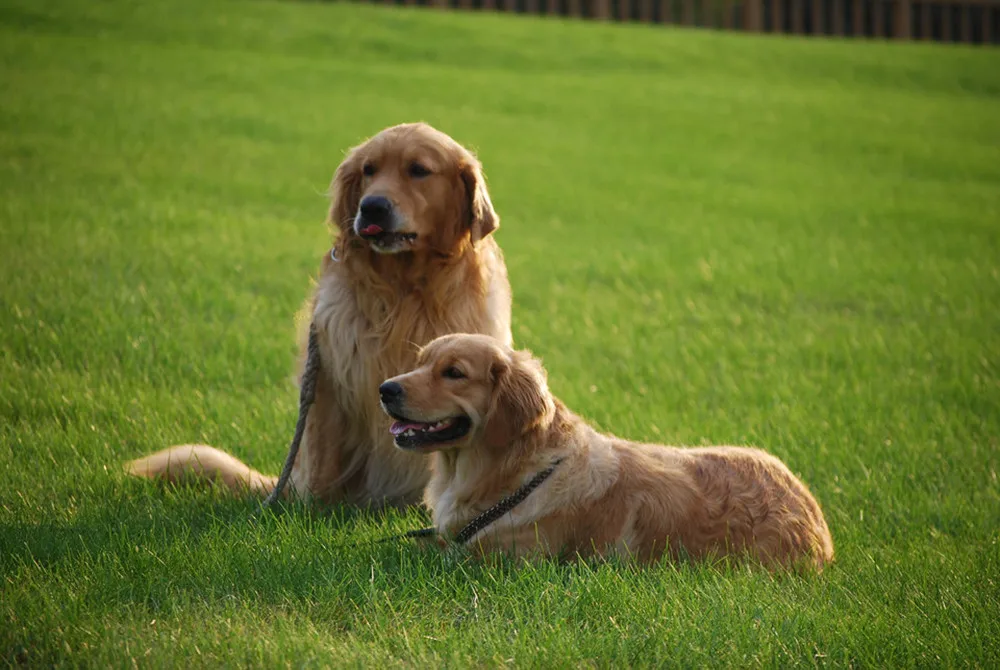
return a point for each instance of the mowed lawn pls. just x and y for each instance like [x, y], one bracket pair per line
[712, 238]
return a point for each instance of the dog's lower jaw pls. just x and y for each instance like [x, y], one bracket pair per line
[398, 246]
[391, 240]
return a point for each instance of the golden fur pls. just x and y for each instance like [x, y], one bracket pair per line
[607, 495]
[373, 307]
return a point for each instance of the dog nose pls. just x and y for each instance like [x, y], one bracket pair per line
[390, 392]
[376, 209]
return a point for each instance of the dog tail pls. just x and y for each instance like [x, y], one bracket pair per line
[200, 461]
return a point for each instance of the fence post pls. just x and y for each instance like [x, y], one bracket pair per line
[778, 16]
[966, 23]
[646, 11]
[946, 22]
[727, 14]
[602, 9]
[838, 17]
[818, 21]
[687, 12]
[902, 28]
[667, 11]
[987, 26]
[858, 19]
[752, 16]
[797, 19]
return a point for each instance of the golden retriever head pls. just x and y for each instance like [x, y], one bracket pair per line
[412, 188]
[467, 390]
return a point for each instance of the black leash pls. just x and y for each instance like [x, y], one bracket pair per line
[489, 516]
[505, 505]
[307, 394]
[430, 531]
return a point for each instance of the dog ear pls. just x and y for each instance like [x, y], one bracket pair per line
[483, 219]
[520, 399]
[346, 189]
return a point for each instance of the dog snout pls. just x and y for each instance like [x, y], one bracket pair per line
[376, 210]
[390, 393]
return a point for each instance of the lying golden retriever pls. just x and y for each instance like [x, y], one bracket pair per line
[486, 413]
[412, 259]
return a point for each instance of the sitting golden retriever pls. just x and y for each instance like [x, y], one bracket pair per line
[494, 430]
[412, 259]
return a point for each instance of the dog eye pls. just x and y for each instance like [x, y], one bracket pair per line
[452, 373]
[418, 171]
[368, 169]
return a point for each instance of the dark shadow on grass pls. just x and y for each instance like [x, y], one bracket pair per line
[159, 516]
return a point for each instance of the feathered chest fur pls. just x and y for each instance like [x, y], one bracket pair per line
[371, 325]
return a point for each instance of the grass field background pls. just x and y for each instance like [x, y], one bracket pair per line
[712, 238]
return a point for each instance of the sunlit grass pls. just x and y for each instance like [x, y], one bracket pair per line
[712, 238]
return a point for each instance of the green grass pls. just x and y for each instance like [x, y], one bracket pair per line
[712, 238]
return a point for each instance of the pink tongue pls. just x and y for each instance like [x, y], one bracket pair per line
[371, 230]
[402, 426]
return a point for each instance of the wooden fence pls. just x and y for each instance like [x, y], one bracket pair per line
[968, 21]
